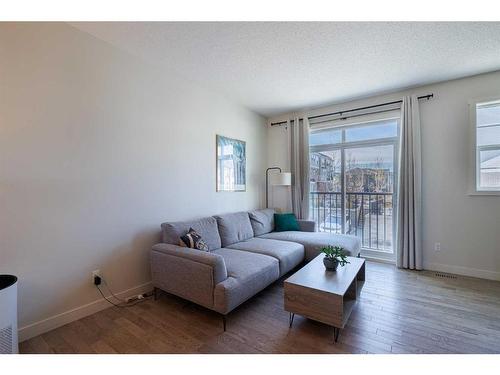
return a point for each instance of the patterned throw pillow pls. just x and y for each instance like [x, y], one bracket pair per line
[193, 240]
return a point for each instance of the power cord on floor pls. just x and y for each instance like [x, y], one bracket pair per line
[97, 282]
[111, 292]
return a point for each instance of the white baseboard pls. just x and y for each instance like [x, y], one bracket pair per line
[465, 271]
[378, 260]
[45, 325]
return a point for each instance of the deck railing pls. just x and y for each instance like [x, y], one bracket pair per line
[366, 215]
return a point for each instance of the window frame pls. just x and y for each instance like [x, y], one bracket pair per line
[343, 145]
[475, 169]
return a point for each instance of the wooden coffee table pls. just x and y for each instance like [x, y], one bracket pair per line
[325, 296]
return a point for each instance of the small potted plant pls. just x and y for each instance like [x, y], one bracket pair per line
[334, 255]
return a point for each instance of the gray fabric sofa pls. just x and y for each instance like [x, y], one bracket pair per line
[244, 257]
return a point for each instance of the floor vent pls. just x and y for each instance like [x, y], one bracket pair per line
[445, 275]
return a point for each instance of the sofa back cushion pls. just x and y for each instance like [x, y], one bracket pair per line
[205, 227]
[234, 227]
[262, 221]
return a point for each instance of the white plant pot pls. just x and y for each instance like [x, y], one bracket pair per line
[8, 315]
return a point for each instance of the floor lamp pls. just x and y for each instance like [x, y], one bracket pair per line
[281, 178]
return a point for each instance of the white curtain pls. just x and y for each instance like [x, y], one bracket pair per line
[409, 217]
[299, 166]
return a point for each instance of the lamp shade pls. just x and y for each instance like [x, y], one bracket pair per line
[282, 178]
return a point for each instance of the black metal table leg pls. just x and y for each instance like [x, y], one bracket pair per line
[336, 332]
[290, 319]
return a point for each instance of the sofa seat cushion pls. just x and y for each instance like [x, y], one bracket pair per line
[289, 254]
[314, 241]
[234, 227]
[206, 227]
[248, 273]
[262, 220]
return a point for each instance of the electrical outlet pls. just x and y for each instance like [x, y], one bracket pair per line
[96, 273]
[437, 246]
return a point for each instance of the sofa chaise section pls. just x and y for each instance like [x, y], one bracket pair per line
[314, 241]
[262, 222]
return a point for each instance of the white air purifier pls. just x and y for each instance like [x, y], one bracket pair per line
[8, 315]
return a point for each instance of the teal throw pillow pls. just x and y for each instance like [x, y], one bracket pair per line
[285, 222]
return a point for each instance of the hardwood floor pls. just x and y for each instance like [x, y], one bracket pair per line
[398, 312]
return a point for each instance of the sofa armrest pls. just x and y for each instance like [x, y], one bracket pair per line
[188, 273]
[307, 225]
[204, 257]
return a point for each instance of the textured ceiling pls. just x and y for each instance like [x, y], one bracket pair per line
[278, 67]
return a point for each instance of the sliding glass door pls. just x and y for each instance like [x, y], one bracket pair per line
[353, 178]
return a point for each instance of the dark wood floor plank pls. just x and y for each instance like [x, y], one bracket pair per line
[26, 348]
[57, 343]
[39, 345]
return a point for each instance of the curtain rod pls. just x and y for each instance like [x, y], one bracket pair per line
[428, 96]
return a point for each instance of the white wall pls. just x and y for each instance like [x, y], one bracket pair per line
[97, 148]
[468, 227]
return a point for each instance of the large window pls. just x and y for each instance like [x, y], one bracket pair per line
[486, 121]
[353, 178]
